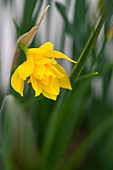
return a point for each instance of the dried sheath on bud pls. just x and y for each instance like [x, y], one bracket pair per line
[26, 39]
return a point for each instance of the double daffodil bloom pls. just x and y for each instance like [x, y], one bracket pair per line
[45, 74]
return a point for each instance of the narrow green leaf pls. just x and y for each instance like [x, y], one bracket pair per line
[99, 58]
[28, 13]
[18, 30]
[70, 28]
[51, 131]
[87, 76]
[64, 120]
[16, 136]
[62, 9]
[87, 50]
[79, 21]
[89, 142]
[70, 118]
[100, 4]
[91, 43]
[0, 150]
[79, 17]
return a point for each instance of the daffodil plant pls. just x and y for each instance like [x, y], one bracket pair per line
[45, 74]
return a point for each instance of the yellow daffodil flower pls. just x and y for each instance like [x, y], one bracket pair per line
[45, 74]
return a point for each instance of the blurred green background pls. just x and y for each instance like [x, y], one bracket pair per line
[76, 131]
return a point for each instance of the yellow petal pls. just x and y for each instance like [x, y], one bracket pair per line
[47, 45]
[57, 54]
[52, 87]
[39, 60]
[26, 69]
[45, 80]
[48, 71]
[38, 71]
[53, 61]
[64, 81]
[45, 48]
[42, 60]
[56, 85]
[56, 71]
[50, 96]
[37, 86]
[17, 83]
[60, 69]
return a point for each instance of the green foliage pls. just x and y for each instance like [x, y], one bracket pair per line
[17, 136]
[76, 131]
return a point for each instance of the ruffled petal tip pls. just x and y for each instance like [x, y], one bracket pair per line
[49, 96]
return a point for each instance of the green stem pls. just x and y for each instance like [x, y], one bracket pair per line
[87, 50]
[24, 48]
